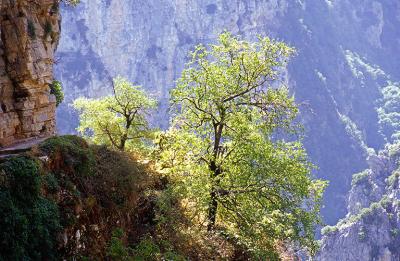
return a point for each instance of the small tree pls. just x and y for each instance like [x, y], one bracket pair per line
[57, 90]
[118, 120]
[223, 153]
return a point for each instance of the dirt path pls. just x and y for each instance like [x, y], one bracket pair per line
[20, 147]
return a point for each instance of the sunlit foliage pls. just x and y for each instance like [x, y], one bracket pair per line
[118, 120]
[223, 153]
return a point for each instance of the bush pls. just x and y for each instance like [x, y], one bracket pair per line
[147, 250]
[116, 249]
[51, 183]
[57, 90]
[360, 178]
[329, 229]
[29, 223]
[73, 151]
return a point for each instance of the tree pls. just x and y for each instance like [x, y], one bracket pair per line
[118, 120]
[225, 149]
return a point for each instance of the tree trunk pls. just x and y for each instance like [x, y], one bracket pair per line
[213, 205]
[212, 210]
[124, 137]
[123, 142]
[215, 171]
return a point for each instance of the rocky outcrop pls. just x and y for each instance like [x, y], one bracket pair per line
[30, 32]
[371, 229]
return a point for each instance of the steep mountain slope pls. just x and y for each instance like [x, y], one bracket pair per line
[345, 59]
[371, 229]
[68, 200]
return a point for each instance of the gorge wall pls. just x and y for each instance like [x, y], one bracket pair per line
[341, 74]
[371, 229]
[29, 33]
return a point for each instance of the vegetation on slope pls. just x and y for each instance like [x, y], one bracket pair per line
[67, 203]
[232, 186]
[67, 200]
[29, 222]
[225, 154]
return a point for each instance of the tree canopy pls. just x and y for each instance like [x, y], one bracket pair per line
[225, 150]
[118, 120]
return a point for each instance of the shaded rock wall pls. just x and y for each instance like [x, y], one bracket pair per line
[29, 36]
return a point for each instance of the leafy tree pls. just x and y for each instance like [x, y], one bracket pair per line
[225, 149]
[117, 120]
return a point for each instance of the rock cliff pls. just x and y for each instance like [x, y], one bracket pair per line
[29, 36]
[371, 229]
[345, 60]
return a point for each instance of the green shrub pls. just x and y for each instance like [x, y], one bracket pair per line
[369, 214]
[74, 151]
[394, 150]
[360, 178]
[29, 223]
[57, 90]
[147, 250]
[51, 183]
[329, 229]
[393, 179]
[21, 178]
[172, 256]
[116, 249]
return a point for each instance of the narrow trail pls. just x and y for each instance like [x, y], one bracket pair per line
[20, 147]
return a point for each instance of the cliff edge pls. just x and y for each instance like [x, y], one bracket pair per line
[371, 229]
[29, 33]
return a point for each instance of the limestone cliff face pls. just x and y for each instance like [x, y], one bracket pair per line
[29, 36]
[371, 229]
[345, 59]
